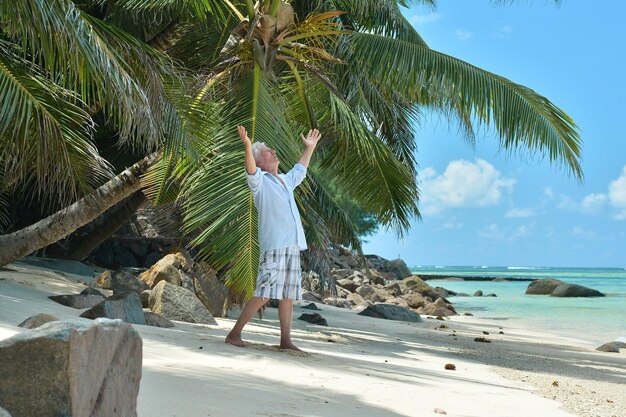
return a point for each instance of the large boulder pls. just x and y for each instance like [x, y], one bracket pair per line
[543, 286]
[166, 269]
[416, 300]
[176, 303]
[78, 301]
[72, 368]
[391, 312]
[373, 294]
[397, 268]
[612, 347]
[575, 290]
[347, 283]
[208, 288]
[126, 306]
[123, 281]
[418, 285]
[438, 308]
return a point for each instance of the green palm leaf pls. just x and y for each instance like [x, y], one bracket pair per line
[523, 119]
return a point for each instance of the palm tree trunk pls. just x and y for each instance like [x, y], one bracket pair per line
[112, 222]
[16, 245]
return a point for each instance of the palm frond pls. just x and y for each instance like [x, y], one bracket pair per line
[523, 119]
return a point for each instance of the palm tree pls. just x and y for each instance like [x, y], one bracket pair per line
[357, 70]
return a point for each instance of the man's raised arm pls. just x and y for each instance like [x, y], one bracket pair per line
[250, 164]
[310, 142]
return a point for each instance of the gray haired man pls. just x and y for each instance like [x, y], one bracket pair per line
[281, 236]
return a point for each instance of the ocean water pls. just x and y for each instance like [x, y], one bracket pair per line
[593, 320]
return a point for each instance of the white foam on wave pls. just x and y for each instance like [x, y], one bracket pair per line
[621, 339]
[526, 267]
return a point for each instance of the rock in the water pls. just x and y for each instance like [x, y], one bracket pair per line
[78, 301]
[543, 286]
[575, 290]
[72, 368]
[125, 306]
[36, 321]
[612, 347]
[313, 318]
[157, 320]
[391, 312]
[478, 293]
[176, 303]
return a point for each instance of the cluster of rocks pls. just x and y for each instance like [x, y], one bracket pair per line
[383, 282]
[175, 288]
[557, 288]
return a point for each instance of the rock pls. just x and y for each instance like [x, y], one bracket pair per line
[398, 269]
[491, 295]
[348, 284]
[442, 292]
[612, 347]
[478, 293]
[72, 368]
[416, 284]
[373, 294]
[543, 286]
[78, 301]
[125, 306]
[440, 411]
[467, 314]
[166, 269]
[144, 297]
[450, 366]
[337, 302]
[157, 320]
[92, 291]
[104, 280]
[208, 288]
[177, 303]
[186, 281]
[393, 288]
[339, 273]
[311, 306]
[438, 308]
[397, 301]
[36, 321]
[377, 277]
[415, 300]
[482, 340]
[355, 299]
[313, 318]
[311, 296]
[500, 279]
[123, 281]
[391, 312]
[574, 290]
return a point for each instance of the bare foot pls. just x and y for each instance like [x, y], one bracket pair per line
[235, 341]
[289, 346]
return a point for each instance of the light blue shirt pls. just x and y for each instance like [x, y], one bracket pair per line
[279, 220]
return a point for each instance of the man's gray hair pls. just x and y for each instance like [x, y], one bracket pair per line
[256, 149]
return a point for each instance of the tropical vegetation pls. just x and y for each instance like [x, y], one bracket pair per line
[172, 78]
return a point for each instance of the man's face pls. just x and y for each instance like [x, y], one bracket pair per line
[267, 159]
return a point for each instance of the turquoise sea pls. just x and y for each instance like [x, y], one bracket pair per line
[594, 320]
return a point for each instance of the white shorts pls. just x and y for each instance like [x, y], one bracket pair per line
[280, 275]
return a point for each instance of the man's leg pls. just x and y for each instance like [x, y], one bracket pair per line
[285, 313]
[251, 307]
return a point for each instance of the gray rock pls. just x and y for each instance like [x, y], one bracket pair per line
[339, 273]
[311, 306]
[347, 283]
[176, 303]
[72, 368]
[36, 321]
[208, 288]
[543, 286]
[337, 302]
[438, 308]
[123, 281]
[373, 294]
[612, 347]
[311, 296]
[313, 318]
[398, 268]
[478, 293]
[78, 301]
[144, 297]
[391, 312]
[125, 306]
[92, 291]
[575, 290]
[157, 320]
[393, 288]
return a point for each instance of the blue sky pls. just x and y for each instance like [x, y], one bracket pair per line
[484, 207]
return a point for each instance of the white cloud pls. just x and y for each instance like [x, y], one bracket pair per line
[617, 195]
[463, 35]
[452, 224]
[503, 32]
[463, 184]
[491, 231]
[519, 213]
[548, 192]
[581, 232]
[593, 202]
[421, 19]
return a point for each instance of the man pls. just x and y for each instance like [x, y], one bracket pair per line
[281, 236]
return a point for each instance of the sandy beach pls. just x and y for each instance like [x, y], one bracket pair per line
[357, 366]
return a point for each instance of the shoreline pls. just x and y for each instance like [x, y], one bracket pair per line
[358, 366]
[431, 277]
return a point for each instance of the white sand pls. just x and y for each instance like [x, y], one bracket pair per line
[358, 366]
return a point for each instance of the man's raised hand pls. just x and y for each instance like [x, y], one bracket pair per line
[311, 139]
[243, 134]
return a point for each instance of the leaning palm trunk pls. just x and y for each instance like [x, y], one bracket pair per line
[60, 224]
